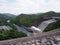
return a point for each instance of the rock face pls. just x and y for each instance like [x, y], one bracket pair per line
[45, 38]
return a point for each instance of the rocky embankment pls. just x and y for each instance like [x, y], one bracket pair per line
[46, 38]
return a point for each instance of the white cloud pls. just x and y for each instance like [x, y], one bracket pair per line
[29, 6]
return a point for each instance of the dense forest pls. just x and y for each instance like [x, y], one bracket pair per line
[26, 20]
[9, 34]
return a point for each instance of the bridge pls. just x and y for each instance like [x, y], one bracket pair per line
[45, 38]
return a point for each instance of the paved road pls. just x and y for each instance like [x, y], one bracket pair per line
[22, 29]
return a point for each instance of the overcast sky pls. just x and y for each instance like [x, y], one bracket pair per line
[29, 6]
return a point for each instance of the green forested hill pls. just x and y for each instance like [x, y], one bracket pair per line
[27, 19]
[6, 16]
[12, 33]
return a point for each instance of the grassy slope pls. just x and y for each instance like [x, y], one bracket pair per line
[53, 26]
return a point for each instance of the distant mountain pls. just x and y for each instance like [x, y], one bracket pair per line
[31, 14]
[6, 16]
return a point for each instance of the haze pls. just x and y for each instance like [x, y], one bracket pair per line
[29, 6]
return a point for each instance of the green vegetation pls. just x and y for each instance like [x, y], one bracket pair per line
[6, 17]
[11, 25]
[9, 34]
[49, 14]
[27, 19]
[53, 26]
